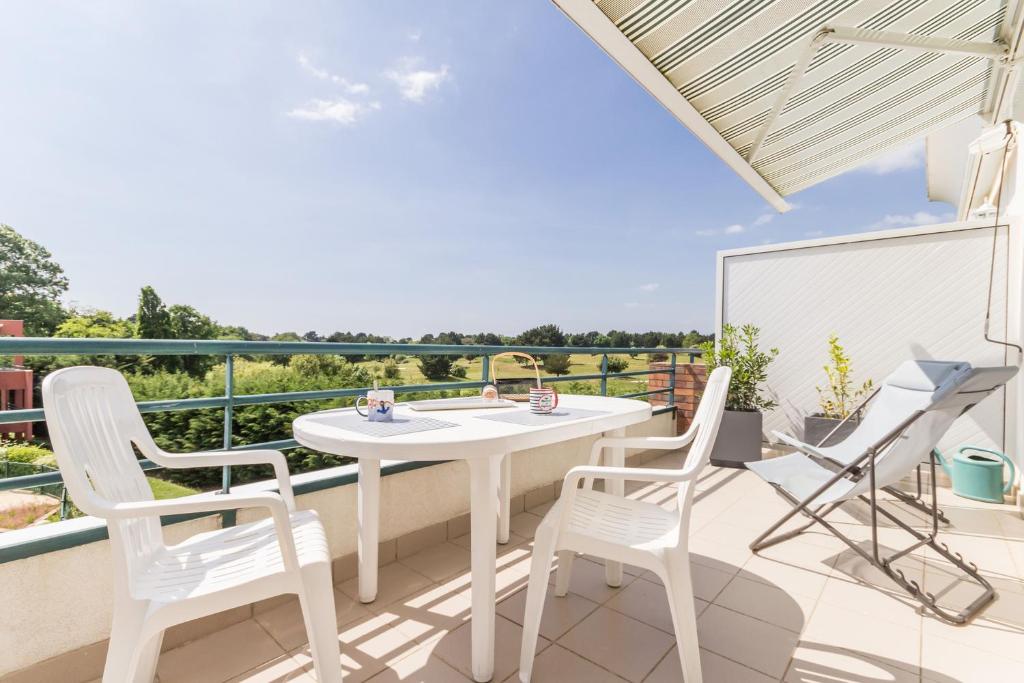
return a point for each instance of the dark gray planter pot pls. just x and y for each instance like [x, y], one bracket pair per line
[738, 440]
[817, 428]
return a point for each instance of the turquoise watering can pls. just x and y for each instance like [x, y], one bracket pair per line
[977, 475]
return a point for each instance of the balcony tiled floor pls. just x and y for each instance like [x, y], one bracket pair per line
[807, 610]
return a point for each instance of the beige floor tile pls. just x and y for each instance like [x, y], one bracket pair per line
[719, 547]
[525, 524]
[559, 615]
[887, 601]
[816, 663]
[767, 603]
[541, 509]
[999, 629]
[284, 668]
[439, 562]
[622, 645]
[648, 602]
[558, 665]
[870, 636]
[714, 669]
[285, 624]
[429, 615]
[454, 648]
[219, 656]
[368, 645]
[748, 641]
[394, 581]
[514, 539]
[949, 661]
[419, 666]
[588, 580]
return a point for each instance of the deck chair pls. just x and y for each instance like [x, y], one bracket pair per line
[631, 531]
[95, 426]
[907, 417]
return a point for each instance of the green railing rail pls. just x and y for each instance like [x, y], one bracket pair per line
[28, 346]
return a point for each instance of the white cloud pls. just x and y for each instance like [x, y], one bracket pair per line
[414, 83]
[763, 219]
[340, 110]
[649, 287]
[324, 75]
[899, 220]
[733, 229]
[903, 158]
[414, 35]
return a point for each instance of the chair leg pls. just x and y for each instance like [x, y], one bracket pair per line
[564, 572]
[127, 646]
[684, 617]
[148, 658]
[316, 598]
[536, 591]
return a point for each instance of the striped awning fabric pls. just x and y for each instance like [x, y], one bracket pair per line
[730, 60]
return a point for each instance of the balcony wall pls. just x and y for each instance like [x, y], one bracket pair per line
[58, 605]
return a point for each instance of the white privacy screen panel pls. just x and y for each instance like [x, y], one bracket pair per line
[890, 297]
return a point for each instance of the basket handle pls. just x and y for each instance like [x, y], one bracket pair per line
[536, 368]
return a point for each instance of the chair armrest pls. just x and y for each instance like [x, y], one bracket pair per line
[570, 485]
[662, 443]
[800, 445]
[220, 458]
[205, 503]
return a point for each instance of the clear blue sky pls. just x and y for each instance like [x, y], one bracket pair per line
[389, 167]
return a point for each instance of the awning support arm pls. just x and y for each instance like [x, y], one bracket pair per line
[997, 52]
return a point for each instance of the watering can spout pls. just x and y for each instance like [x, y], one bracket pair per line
[939, 458]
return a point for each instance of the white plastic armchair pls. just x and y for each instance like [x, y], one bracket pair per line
[630, 531]
[94, 427]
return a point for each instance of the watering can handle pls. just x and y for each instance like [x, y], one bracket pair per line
[1002, 456]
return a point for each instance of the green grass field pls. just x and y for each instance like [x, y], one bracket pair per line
[580, 364]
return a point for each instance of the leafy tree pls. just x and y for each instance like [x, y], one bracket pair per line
[95, 325]
[620, 339]
[391, 370]
[556, 363]
[544, 335]
[31, 283]
[616, 363]
[152, 321]
[436, 367]
[312, 336]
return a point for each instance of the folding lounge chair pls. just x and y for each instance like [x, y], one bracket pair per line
[907, 417]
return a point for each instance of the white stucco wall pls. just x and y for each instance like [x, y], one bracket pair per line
[61, 601]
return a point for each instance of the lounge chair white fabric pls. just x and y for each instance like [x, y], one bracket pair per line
[94, 424]
[630, 531]
[907, 417]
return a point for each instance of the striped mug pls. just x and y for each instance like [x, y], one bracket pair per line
[543, 400]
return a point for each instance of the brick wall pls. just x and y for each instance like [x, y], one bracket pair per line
[690, 381]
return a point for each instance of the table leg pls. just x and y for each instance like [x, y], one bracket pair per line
[483, 482]
[369, 527]
[505, 498]
[616, 457]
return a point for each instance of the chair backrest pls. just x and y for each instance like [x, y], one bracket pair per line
[706, 421]
[952, 394]
[910, 388]
[93, 423]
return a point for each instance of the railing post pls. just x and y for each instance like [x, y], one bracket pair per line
[693, 357]
[485, 371]
[229, 416]
[604, 374]
[672, 381]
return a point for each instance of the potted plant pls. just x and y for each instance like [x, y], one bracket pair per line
[836, 400]
[739, 437]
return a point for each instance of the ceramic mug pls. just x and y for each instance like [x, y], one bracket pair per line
[543, 400]
[380, 405]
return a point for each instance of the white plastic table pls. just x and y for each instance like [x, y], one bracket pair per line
[486, 446]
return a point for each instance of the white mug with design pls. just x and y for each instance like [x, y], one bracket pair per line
[543, 400]
[380, 405]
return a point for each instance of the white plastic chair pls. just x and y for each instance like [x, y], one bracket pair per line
[94, 423]
[630, 531]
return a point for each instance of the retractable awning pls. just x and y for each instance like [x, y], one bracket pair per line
[792, 92]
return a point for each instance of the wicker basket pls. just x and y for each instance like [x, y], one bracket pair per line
[514, 389]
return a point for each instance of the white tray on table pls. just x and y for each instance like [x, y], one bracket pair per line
[461, 403]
